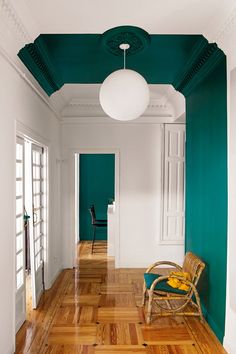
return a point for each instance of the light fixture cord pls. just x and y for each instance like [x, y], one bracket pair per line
[124, 58]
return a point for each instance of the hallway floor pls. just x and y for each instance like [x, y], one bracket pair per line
[95, 309]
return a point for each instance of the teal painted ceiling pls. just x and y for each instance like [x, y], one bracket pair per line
[57, 59]
[82, 59]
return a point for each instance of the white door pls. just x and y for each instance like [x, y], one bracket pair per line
[174, 184]
[38, 223]
[20, 315]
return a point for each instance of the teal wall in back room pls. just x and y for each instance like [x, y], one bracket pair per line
[96, 186]
[206, 189]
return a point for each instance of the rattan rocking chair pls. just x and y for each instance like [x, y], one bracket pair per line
[171, 301]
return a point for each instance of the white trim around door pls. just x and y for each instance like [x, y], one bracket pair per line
[72, 215]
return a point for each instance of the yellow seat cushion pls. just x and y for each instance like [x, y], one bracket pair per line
[177, 283]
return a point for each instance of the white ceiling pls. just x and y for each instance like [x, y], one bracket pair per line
[155, 16]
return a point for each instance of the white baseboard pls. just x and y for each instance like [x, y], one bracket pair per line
[11, 350]
[229, 346]
[54, 277]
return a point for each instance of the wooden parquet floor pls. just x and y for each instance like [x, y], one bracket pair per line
[95, 309]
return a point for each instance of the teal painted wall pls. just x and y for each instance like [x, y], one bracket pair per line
[96, 186]
[206, 189]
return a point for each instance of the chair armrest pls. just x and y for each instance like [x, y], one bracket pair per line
[157, 264]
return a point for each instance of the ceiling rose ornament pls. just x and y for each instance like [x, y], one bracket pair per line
[124, 94]
[136, 37]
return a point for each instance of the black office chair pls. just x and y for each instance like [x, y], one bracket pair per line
[96, 223]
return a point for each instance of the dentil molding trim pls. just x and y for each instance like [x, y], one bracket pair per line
[224, 29]
[92, 102]
[28, 82]
[203, 60]
[227, 27]
[11, 18]
[13, 35]
[36, 58]
[223, 32]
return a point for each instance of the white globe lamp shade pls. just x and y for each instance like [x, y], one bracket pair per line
[124, 95]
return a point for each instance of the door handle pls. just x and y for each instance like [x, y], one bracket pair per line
[35, 217]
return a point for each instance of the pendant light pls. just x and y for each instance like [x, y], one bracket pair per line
[124, 94]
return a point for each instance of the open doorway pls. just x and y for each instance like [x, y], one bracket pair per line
[95, 196]
[31, 225]
[106, 207]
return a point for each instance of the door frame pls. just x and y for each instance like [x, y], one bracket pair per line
[73, 154]
[27, 134]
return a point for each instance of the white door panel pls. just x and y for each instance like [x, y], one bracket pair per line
[174, 184]
[38, 224]
[20, 310]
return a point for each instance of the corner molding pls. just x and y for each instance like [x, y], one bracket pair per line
[203, 60]
[13, 35]
[36, 58]
[220, 33]
[226, 28]
[24, 77]
[9, 15]
[224, 34]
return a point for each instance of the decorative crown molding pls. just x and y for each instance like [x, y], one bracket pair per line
[203, 60]
[86, 102]
[223, 32]
[36, 58]
[9, 15]
[91, 107]
[219, 34]
[15, 31]
[93, 102]
[226, 27]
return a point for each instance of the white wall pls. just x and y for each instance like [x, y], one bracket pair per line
[227, 43]
[230, 323]
[19, 102]
[140, 152]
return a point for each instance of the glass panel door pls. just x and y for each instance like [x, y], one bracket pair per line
[38, 196]
[20, 262]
